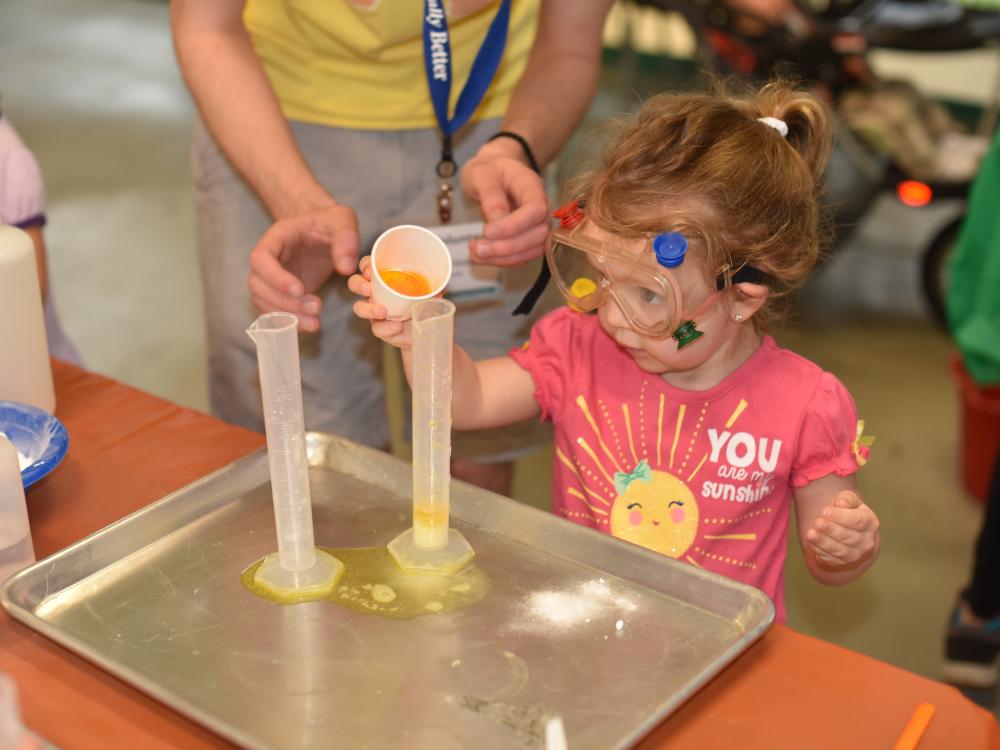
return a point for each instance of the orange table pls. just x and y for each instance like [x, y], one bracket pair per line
[128, 448]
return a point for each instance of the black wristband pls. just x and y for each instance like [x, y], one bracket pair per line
[532, 162]
[528, 303]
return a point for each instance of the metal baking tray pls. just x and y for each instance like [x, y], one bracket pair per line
[607, 635]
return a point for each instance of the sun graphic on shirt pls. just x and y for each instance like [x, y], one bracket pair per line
[634, 479]
[655, 510]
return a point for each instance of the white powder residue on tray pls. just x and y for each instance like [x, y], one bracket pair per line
[588, 601]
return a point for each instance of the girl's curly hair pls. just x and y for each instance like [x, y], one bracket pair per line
[705, 162]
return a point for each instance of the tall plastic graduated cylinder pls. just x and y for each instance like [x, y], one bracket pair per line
[25, 369]
[431, 546]
[299, 571]
[16, 548]
[433, 339]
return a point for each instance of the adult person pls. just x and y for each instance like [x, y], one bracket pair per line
[317, 116]
[972, 644]
[972, 641]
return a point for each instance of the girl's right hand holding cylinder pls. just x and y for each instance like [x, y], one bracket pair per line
[394, 332]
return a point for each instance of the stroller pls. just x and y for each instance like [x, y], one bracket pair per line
[888, 135]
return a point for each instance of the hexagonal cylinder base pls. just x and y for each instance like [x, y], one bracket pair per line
[446, 560]
[290, 586]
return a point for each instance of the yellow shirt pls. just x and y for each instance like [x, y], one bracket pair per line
[359, 63]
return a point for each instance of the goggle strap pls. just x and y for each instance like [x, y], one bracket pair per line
[527, 303]
[747, 274]
[704, 307]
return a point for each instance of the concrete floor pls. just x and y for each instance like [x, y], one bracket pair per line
[93, 88]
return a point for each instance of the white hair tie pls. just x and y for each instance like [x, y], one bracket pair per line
[773, 122]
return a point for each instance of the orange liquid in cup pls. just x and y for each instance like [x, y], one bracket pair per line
[408, 283]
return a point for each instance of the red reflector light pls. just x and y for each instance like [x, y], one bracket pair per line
[914, 193]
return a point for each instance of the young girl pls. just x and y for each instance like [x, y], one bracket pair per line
[679, 424]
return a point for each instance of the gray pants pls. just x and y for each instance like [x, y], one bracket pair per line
[388, 178]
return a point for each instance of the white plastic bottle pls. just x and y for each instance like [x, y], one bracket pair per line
[25, 369]
[13, 735]
[16, 548]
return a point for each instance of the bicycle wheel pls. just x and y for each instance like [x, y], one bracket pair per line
[934, 270]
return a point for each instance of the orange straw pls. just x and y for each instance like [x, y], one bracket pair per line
[915, 727]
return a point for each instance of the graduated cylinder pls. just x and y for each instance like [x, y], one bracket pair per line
[431, 546]
[299, 571]
[433, 333]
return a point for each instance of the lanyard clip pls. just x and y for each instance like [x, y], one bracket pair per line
[447, 167]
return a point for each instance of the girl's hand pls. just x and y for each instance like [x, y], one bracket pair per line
[395, 332]
[845, 532]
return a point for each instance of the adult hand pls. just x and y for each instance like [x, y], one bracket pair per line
[513, 203]
[295, 256]
[845, 532]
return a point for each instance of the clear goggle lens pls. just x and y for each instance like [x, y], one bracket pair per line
[650, 301]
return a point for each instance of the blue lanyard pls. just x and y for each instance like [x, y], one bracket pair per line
[437, 63]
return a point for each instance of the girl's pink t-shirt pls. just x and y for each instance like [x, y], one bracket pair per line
[702, 476]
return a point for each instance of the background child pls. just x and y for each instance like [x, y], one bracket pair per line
[22, 204]
[679, 425]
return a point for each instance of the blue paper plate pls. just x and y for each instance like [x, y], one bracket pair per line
[38, 435]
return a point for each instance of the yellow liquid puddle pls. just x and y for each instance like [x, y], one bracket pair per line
[410, 283]
[374, 584]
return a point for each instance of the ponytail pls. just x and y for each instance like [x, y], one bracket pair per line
[809, 129]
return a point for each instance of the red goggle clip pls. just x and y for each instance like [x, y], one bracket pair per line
[570, 214]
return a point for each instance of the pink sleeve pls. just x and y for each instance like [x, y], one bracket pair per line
[548, 358]
[827, 439]
[22, 193]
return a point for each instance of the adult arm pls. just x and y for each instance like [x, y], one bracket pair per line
[549, 101]
[314, 235]
[239, 106]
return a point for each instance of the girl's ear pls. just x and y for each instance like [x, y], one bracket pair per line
[748, 298]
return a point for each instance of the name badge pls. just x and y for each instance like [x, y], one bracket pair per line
[470, 282]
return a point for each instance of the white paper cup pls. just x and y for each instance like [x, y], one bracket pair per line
[408, 248]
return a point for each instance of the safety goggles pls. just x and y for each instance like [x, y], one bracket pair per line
[649, 295]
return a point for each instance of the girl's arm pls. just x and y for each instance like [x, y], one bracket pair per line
[489, 393]
[837, 531]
